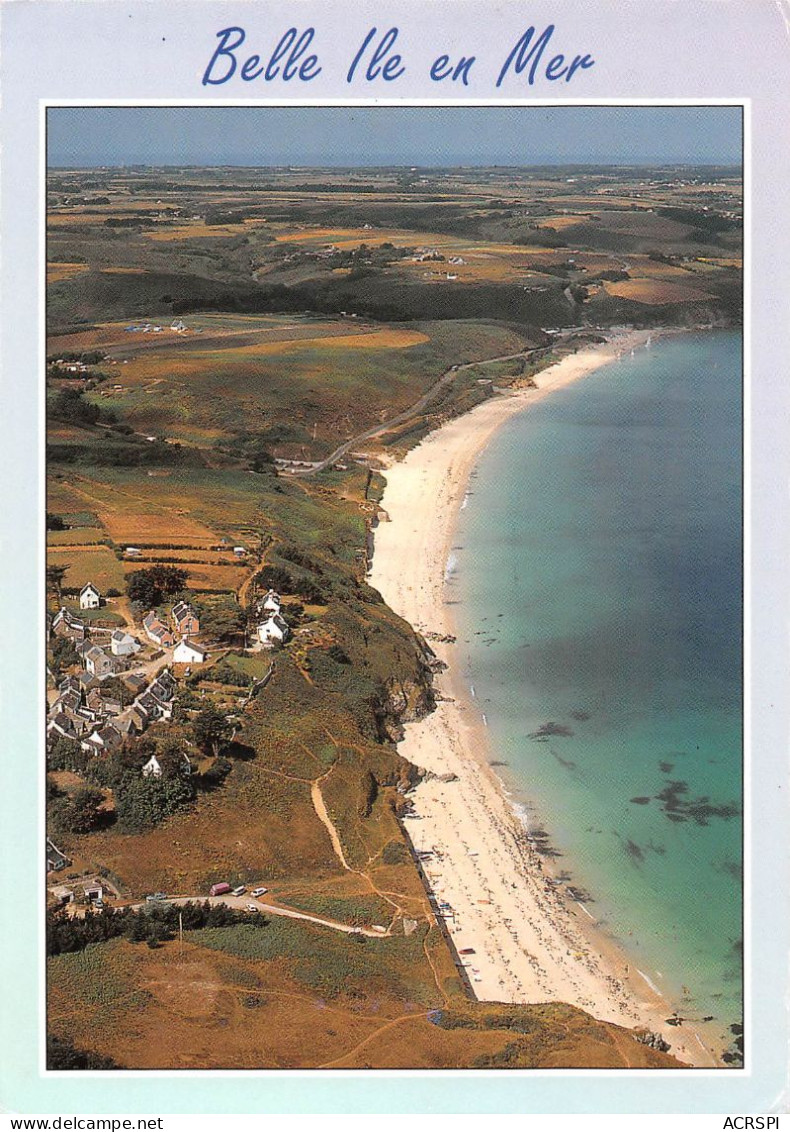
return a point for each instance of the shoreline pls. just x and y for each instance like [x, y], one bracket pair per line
[526, 940]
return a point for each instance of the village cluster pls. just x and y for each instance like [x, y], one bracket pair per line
[83, 712]
[177, 326]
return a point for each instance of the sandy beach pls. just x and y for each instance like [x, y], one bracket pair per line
[520, 937]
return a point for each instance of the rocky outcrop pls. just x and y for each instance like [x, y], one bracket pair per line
[650, 1038]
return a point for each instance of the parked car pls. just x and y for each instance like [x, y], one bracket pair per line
[252, 907]
[240, 890]
[259, 891]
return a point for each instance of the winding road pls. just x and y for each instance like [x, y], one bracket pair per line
[418, 406]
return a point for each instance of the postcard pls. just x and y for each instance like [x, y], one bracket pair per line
[396, 668]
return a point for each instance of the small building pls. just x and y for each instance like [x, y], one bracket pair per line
[189, 652]
[124, 723]
[157, 631]
[271, 602]
[156, 706]
[94, 891]
[139, 716]
[61, 726]
[123, 644]
[94, 700]
[90, 598]
[108, 738]
[153, 768]
[162, 692]
[273, 631]
[149, 705]
[68, 701]
[185, 619]
[133, 552]
[98, 663]
[65, 624]
[56, 859]
[167, 680]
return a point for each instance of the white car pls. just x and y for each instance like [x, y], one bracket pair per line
[252, 907]
[259, 891]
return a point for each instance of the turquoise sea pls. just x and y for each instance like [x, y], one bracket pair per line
[597, 590]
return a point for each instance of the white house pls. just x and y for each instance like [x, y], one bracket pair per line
[153, 768]
[273, 629]
[60, 724]
[123, 644]
[107, 738]
[98, 663]
[271, 603]
[157, 631]
[90, 598]
[188, 652]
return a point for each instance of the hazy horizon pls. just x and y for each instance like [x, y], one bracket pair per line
[459, 167]
[393, 136]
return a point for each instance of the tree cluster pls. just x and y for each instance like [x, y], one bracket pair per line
[80, 812]
[157, 921]
[70, 406]
[151, 586]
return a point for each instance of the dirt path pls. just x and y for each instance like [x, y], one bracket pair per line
[382, 1029]
[323, 816]
[240, 903]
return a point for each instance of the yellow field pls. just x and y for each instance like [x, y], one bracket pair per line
[560, 222]
[346, 238]
[653, 269]
[141, 514]
[723, 261]
[655, 292]
[64, 219]
[78, 536]
[194, 554]
[57, 272]
[195, 230]
[389, 338]
[125, 527]
[200, 575]
[88, 564]
[257, 331]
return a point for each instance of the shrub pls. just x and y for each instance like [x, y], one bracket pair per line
[142, 803]
[394, 853]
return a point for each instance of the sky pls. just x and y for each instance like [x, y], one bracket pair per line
[352, 136]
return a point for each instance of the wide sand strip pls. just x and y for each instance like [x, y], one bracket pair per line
[528, 941]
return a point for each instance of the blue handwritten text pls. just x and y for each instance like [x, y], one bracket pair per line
[527, 53]
[285, 61]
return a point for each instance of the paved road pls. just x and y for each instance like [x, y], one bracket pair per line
[407, 414]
